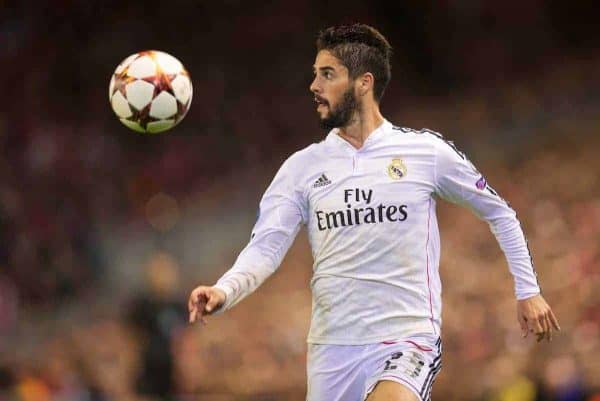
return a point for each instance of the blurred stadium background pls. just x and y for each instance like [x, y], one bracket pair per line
[103, 232]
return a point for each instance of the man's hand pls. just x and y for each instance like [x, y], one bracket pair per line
[536, 316]
[204, 301]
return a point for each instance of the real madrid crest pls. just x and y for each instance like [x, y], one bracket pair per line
[396, 170]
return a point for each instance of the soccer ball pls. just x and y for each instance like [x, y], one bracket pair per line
[150, 91]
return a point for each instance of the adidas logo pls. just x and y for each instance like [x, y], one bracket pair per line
[322, 181]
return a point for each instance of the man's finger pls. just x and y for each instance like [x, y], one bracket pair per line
[549, 333]
[201, 302]
[201, 313]
[544, 322]
[194, 314]
[191, 302]
[191, 313]
[544, 325]
[198, 315]
[542, 334]
[191, 307]
[537, 327]
[211, 304]
[554, 320]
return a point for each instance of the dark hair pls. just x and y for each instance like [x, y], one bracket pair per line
[361, 49]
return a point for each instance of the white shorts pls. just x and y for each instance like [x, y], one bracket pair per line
[350, 372]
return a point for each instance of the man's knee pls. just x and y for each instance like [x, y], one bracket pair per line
[387, 390]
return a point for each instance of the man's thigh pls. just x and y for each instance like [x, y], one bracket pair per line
[401, 370]
[387, 390]
[407, 370]
[334, 373]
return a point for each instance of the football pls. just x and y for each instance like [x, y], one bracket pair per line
[150, 91]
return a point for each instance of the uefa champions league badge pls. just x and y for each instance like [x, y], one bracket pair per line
[481, 183]
[396, 170]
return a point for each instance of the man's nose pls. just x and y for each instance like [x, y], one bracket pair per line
[314, 88]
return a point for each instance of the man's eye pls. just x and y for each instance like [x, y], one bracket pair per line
[327, 74]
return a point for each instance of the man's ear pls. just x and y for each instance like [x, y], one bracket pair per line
[365, 83]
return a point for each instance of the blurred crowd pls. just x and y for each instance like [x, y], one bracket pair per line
[103, 232]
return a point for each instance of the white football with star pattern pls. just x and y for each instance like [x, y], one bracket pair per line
[150, 91]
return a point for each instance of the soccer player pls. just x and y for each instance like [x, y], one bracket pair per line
[367, 194]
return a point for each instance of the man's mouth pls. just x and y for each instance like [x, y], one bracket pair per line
[321, 102]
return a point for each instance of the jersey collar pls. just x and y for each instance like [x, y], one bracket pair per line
[334, 139]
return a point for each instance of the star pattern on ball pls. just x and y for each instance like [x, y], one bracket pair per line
[121, 81]
[161, 82]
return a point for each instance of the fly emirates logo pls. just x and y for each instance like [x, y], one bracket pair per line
[353, 215]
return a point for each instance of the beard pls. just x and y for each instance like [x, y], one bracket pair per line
[342, 114]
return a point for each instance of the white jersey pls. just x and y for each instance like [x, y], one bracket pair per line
[372, 227]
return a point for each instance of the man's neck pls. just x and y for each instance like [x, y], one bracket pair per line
[361, 126]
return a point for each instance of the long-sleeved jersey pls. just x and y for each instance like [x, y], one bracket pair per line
[372, 227]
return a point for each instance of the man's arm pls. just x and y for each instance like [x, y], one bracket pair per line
[458, 181]
[281, 213]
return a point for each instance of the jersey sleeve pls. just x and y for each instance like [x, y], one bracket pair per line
[458, 181]
[282, 211]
